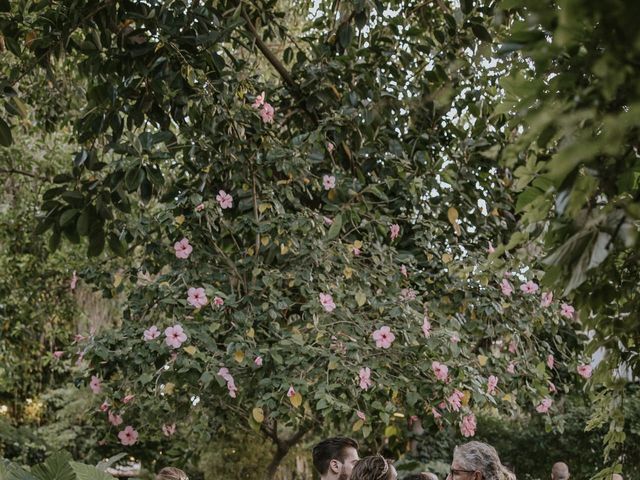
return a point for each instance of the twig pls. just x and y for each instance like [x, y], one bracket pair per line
[11, 171]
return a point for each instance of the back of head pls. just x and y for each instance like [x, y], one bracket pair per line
[331, 448]
[374, 467]
[616, 476]
[421, 476]
[171, 473]
[483, 458]
[560, 471]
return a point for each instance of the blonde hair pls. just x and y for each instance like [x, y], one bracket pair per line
[171, 473]
[483, 458]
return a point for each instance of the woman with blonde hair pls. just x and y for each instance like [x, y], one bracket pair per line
[478, 461]
[375, 467]
[171, 473]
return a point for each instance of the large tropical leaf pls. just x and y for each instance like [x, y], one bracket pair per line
[56, 467]
[88, 472]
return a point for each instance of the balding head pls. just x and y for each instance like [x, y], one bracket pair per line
[616, 476]
[559, 471]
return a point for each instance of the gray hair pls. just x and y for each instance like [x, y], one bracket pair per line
[483, 458]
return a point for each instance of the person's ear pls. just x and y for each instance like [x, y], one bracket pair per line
[334, 465]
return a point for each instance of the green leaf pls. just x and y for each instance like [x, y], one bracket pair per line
[56, 467]
[117, 246]
[5, 134]
[481, 32]
[88, 472]
[96, 242]
[334, 231]
[67, 216]
[345, 35]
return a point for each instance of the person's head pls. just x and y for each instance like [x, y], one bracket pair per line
[171, 473]
[477, 461]
[375, 467]
[616, 476]
[421, 476]
[335, 457]
[559, 471]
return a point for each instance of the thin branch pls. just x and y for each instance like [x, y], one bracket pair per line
[11, 171]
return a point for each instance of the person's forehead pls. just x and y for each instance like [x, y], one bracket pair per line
[350, 453]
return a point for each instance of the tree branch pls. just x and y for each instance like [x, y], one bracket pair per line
[11, 171]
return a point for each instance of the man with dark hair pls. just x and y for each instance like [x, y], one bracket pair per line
[421, 476]
[335, 457]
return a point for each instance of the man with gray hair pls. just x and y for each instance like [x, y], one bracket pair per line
[560, 471]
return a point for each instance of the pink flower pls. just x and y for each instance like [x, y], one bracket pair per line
[544, 405]
[291, 392]
[426, 327]
[168, 429]
[441, 370]
[435, 413]
[182, 248]
[403, 271]
[115, 419]
[394, 231]
[78, 338]
[224, 199]
[259, 101]
[197, 297]
[455, 400]
[151, 333]
[356, 251]
[468, 425]
[506, 287]
[258, 361]
[128, 398]
[175, 336]
[550, 361]
[200, 207]
[492, 383]
[74, 281]
[224, 373]
[384, 337]
[365, 378]
[267, 113]
[529, 287]
[567, 310]
[327, 220]
[408, 294]
[58, 354]
[585, 371]
[128, 436]
[511, 368]
[104, 407]
[552, 388]
[455, 339]
[442, 405]
[328, 182]
[218, 302]
[490, 249]
[546, 299]
[231, 385]
[513, 346]
[330, 147]
[326, 300]
[361, 415]
[95, 385]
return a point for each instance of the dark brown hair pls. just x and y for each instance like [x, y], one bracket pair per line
[374, 467]
[329, 449]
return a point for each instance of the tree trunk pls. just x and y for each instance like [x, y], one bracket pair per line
[283, 445]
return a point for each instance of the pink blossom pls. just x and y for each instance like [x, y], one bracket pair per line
[175, 336]
[78, 338]
[231, 386]
[506, 287]
[455, 400]
[403, 271]
[224, 199]
[58, 354]
[356, 251]
[455, 338]
[441, 370]
[529, 287]
[365, 378]
[490, 249]
[383, 337]
[442, 405]
[151, 333]
[259, 101]
[267, 113]
[330, 147]
[550, 361]
[218, 302]
[546, 299]
[328, 182]
[115, 419]
[513, 346]
[394, 231]
[468, 425]
[511, 368]
[552, 388]
[585, 371]
[104, 407]
[492, 383]
[426, 327]
[183, 248]
[291, 392]
[361, 415]
[408, 294]
[567, 310]
[258, 361]
[544, 405]
[128, 398]
[327, 220]
[197, 297]
[200, 207]
[435, 413]
[224, 373]
[74, 281]
[128, 436]
[95, 385]
[326, 300]
[168, 429]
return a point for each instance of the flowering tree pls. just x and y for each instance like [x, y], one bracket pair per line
[302, 252]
